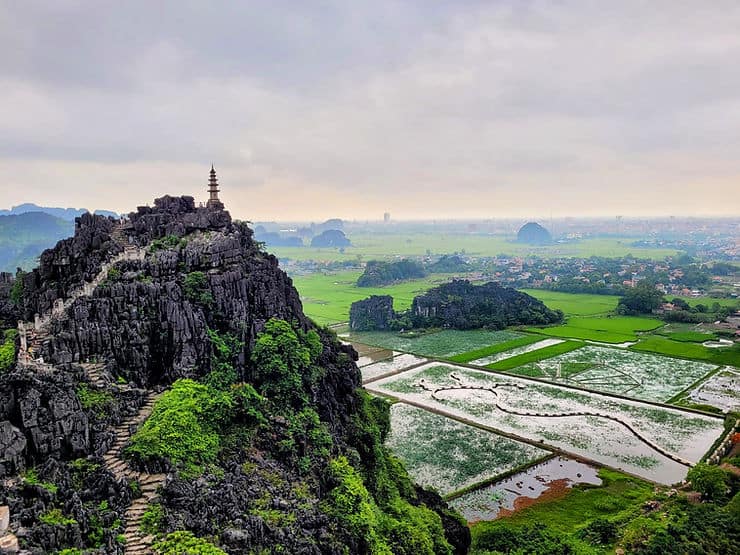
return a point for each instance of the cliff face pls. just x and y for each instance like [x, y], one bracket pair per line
[125, 309]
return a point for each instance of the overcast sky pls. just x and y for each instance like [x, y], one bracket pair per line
[311, 110]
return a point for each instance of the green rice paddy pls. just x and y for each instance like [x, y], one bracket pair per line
[575, 304]
[614, 329]
[535, 356]
[683, 349]
[497, 348]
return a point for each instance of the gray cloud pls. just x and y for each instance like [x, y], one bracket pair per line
[430, 104]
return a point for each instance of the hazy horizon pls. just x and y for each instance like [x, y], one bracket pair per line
[449, 110]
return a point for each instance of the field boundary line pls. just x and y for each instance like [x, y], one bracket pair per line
[499, 477]
[662, 404]
[396, 372]
[577, 388]
[556, 450]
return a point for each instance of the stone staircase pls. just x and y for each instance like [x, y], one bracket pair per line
[93, 372]
[137, 543]
[34, 334]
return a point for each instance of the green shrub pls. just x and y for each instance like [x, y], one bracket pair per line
[114, 275]
[165, 243]
[185, 543]
[398, 528]
[153, 519]
[7, 349]
[55, 517]
[93, 400]
[711, 481]
[31, 477]
[184, 427]
[226, 347]
[197, 290]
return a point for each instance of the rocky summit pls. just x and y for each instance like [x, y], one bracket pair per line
[161, 391]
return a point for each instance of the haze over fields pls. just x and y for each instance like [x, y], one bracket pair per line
[444, 109]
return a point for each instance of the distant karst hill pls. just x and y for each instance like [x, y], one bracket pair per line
[533, 233]
[24, 236]
[68, 214]
[331, 238]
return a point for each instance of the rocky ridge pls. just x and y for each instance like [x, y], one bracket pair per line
[117, 310]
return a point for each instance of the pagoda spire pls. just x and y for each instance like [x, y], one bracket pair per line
[213, 201]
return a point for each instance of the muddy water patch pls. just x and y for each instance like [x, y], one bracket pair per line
[545, 481]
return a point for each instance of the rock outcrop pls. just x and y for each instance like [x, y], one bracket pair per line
[462, 305]
[374, 313]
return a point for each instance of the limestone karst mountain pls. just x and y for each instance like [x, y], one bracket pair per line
[533, 233]
[168, 390]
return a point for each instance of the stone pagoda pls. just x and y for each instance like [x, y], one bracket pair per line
[214, 203]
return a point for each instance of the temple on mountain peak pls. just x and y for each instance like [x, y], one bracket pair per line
[213, 201]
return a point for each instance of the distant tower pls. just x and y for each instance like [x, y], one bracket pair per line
[213, 200]
[387, 217]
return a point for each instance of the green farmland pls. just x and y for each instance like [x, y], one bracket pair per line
[615, 329]
[383, 246]
[327, 297]
[575, 304]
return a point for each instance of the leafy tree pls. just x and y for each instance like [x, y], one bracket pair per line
[709, 480]
[643, 298]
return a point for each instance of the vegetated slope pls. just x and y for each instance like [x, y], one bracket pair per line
[266, 439]
[24, 236]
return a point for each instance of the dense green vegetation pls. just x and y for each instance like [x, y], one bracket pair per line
[496, 348]
[463, 305]
[643, 298]
[534, 356]
[184, 542]
[196, 426]
[197, 289]
[7, 349]
[378, 272]
[624, 512]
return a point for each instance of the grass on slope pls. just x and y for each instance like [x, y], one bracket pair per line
[575, 304]
[683, 349]
[615, 329]
[534, 356]
[619, 498]
[497, 348]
